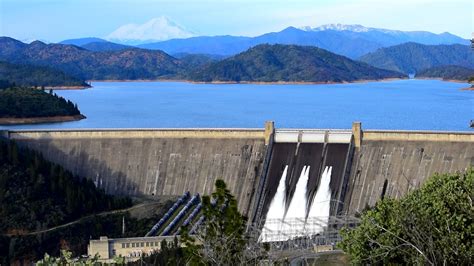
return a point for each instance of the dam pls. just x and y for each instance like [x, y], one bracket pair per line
[340, 171]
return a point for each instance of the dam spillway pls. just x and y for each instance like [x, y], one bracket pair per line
[313, 150]
[366, 164]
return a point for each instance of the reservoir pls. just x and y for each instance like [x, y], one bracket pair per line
[401, 104]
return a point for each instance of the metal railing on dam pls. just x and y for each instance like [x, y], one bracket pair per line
[418, 135]
[136, 133]
[312, 136]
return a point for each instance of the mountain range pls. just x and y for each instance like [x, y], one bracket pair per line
[98, 59]
[131, 63]
[352, 41]
[261, 63]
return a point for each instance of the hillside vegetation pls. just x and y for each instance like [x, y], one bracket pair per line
[37, 194]
[447, 73]
[28, 102]
[32, 64]
[29, 76]
[410, 58]
[131, 63]
[431, 225]
[289, 63]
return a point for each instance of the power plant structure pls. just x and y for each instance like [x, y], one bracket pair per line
[292, 184]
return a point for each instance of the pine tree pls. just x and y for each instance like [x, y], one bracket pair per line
[221, 239]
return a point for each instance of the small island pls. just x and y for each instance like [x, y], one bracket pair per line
[26, 105]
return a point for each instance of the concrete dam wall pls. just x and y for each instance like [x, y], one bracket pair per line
[391, 163]
[366, 165]
[156, 162]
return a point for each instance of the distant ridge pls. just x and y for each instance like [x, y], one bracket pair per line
[82, 41]
[289, 63]
[414, 57]
[447, 73]
[349, 40]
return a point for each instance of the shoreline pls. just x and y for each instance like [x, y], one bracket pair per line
[63, 88]
[441, 79]
[253, 82]
[39, 120]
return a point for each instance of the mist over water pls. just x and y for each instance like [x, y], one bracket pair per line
[298, 222]
[295, 216]
[321, 203]
[276, 213]
[277, 206]
[297, 208]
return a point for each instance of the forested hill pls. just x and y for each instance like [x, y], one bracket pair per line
[447, 73]
[124, 64]
[289, 63]
[411, 58]
[36, 194]
[29, 102]
[30, 76]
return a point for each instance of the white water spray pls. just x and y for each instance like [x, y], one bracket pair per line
[276, 212]
[281, 227]
[297, 208]
[321, 204]
[295, 217]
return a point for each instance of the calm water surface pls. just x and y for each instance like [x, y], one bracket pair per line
[405, 104]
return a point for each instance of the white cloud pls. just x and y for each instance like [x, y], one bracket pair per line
[156, 29]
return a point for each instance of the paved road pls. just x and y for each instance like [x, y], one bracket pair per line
[80, 220]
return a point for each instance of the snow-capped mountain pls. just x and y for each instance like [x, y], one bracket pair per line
[338, 27]
[345, 27]
[156, 29]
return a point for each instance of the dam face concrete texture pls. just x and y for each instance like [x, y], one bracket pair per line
[171, 162]
[393, 167]
[140, 164]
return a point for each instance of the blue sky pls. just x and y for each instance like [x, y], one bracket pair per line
[55, 20]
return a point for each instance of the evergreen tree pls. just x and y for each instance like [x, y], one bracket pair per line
[221, 239]
[432, 225]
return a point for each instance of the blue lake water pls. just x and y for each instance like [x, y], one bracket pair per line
[402, 104]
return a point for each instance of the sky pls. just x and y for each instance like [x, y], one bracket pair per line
[56, 20]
